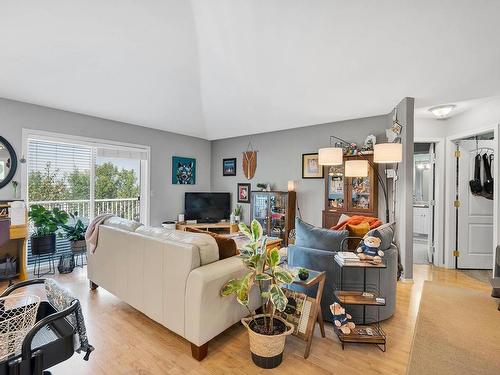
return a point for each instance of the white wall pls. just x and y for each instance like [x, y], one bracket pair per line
[167, 200]
[426, 128]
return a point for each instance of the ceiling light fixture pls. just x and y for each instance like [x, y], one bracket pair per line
[442, 111]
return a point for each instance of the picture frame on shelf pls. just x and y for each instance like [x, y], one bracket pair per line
[244, 192]
[310, 166]
[183, 170]
[229, 167]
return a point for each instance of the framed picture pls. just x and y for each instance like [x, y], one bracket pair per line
[229, 167]
[311, 167]
[183, 171]
[244, 193]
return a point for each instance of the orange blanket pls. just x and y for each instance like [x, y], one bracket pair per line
[373, 222]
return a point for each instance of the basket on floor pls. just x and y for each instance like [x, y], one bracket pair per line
[17, 317]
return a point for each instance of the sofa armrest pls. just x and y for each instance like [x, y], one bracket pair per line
[207, 313]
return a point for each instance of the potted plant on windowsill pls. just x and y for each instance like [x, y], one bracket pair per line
[75, 233]
[46, 223]
[267, 332]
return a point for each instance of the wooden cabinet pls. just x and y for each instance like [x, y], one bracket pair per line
[349, 195]
[421, 220]
[275, 210]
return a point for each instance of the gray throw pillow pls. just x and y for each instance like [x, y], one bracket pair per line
[386, 234]
[308, 235]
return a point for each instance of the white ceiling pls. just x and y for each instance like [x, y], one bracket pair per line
[217, 69]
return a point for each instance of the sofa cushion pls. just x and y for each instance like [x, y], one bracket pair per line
[356, 230]
[227, 246]
[386, 234]
[207, 246]
[120, 223]
[318, 238]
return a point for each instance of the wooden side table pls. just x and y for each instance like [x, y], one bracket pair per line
[315, 316]
[318, 278]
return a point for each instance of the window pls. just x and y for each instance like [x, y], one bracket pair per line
[86, 177]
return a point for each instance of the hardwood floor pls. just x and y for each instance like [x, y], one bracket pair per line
[127, 342]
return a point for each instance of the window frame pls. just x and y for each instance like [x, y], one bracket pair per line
[94, 143]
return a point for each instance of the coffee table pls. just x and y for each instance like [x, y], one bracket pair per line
[241, 240]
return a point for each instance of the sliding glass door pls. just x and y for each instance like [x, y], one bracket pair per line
[118, 183]
[86, 178]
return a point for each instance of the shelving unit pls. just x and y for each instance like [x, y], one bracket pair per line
[275, 210]
[361, 295]
[349, 195]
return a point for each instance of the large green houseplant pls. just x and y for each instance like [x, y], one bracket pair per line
[45, 222]
[75, 233]
[267, 331]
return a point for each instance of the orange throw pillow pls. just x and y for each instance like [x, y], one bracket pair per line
[227, 246]
[356, 230]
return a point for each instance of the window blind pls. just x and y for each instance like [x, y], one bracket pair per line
[59, 171]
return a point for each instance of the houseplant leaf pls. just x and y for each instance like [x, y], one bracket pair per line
[230, 287]
[278, 298]
[263, 277]
[256, 230]
[245, 230]
[282, 276]
[273, 258]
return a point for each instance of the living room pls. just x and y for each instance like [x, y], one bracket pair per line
[144, 165]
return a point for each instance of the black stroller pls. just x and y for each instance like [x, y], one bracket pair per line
[51, 340]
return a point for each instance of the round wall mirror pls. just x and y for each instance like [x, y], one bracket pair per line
[8, 162]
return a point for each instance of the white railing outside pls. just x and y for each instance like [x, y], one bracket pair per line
[128, 208]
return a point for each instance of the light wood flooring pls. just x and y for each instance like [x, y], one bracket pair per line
[127, 342]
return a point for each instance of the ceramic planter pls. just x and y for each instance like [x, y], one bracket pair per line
[267, 350]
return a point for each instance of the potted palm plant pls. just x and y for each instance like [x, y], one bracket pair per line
[75, 233]
[267, 332]
[46, 222]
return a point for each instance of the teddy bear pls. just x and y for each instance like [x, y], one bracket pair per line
[341, 319]
[369, 249]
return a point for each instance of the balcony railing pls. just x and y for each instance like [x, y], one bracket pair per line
[128, 208]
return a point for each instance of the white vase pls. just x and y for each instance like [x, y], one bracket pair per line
[237, 218]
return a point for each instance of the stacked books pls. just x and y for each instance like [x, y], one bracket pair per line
[346, 258]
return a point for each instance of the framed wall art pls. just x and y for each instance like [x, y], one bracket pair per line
[311, 167]
[244, 193]
[229, 167]
[183, 171]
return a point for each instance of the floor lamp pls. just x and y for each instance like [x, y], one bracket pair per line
[383, 153]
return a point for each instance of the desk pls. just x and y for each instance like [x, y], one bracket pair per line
[17, 246]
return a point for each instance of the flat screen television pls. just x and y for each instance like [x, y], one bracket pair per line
[207, 207]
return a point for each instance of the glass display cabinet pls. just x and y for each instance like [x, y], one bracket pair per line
[349, 195]
[275, 210]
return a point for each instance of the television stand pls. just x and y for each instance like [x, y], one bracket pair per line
[220, 227]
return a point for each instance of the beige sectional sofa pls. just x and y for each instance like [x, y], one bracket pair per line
[171, 276]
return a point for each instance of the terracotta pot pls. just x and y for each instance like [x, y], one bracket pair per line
[267, 350]
[78, 246]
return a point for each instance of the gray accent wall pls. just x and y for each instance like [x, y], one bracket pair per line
[279, 159]
[167, 200]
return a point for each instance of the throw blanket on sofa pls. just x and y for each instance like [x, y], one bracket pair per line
[92, 233]
[358, 219]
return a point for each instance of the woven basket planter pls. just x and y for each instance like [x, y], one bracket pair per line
[78, 246]
[267, 350]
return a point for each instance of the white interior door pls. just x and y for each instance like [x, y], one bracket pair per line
[475, 215]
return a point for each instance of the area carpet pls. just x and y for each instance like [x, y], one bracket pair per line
[457, 332]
